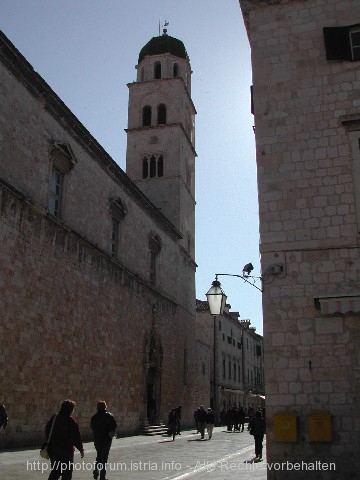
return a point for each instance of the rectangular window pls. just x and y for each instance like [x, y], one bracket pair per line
[342, 43]
[114, 237]
[355, 44]
[55, 193]
[224, 368]
[229, 370]
[355, 150]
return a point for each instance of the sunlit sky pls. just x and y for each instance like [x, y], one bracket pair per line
[86, 50]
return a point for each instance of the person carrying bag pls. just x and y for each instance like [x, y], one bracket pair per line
[44, 449]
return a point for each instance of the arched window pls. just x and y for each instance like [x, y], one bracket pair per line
[152, 167]
[155, 248]
[146, 116]
[160, 169]
[157, 70]
[145, 168]
[175, 70]
[161, 114]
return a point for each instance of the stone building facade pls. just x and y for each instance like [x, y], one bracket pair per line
[236, 359]
[306, 78]
[97, 280]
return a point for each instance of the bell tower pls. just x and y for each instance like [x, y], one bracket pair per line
[160, 156]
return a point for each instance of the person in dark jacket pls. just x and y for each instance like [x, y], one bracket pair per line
[257, 428]
[178, 414]
[241, 419]
[172, 423]
[64, 438]
[196, 420]
[103, 425]
[3, 417]
[210, 420]
[202, 419]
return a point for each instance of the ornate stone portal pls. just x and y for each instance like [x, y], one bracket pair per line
[153, 363]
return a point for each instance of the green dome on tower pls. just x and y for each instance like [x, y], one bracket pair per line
[163, 44]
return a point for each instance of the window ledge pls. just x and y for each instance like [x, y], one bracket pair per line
[338, 304]
[351, 122]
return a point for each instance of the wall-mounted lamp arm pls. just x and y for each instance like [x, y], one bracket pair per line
[245, 278]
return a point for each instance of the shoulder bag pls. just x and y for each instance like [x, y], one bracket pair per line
[44, 449]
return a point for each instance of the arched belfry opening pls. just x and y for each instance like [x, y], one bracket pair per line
[153, 364]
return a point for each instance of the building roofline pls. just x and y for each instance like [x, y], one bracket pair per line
[17, 64]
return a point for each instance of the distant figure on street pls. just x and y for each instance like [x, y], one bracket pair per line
[4, 420]
[229, 419]
[241, 419]
[251, 412]
[196, 420]
[178, 415]
[210, 420]
[235, 416]
[202, 419]
[223, 417]
[103, 425]
[257, 428]
[64, 438]
[172, 423]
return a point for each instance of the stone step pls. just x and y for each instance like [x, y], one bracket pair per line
[154, 430]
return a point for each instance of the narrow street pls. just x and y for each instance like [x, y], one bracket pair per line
[225, 456]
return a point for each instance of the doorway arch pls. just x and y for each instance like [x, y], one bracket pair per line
[154, 355]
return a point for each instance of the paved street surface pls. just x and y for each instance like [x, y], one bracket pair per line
[225, 456]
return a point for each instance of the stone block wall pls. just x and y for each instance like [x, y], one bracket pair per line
[308, 200]
[75, 322]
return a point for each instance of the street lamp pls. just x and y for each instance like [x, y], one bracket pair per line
[216, 296]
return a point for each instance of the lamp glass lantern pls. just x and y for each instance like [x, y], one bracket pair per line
[216, 298]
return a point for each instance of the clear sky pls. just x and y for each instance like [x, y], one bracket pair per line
[86, 50]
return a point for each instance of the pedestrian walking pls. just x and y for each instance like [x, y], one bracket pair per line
[64, 438]
[241, 419]
[210, 420]
[172, 423]
[257, 428]
[178, 417]
[223, 416]
[202, 418]
[103, 425]
[229, 420]
[196, 420]
[236, 419]
[4, 420]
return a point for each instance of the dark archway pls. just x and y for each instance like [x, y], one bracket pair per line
[153, 377]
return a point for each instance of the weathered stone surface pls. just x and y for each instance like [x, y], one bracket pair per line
[307, 156]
